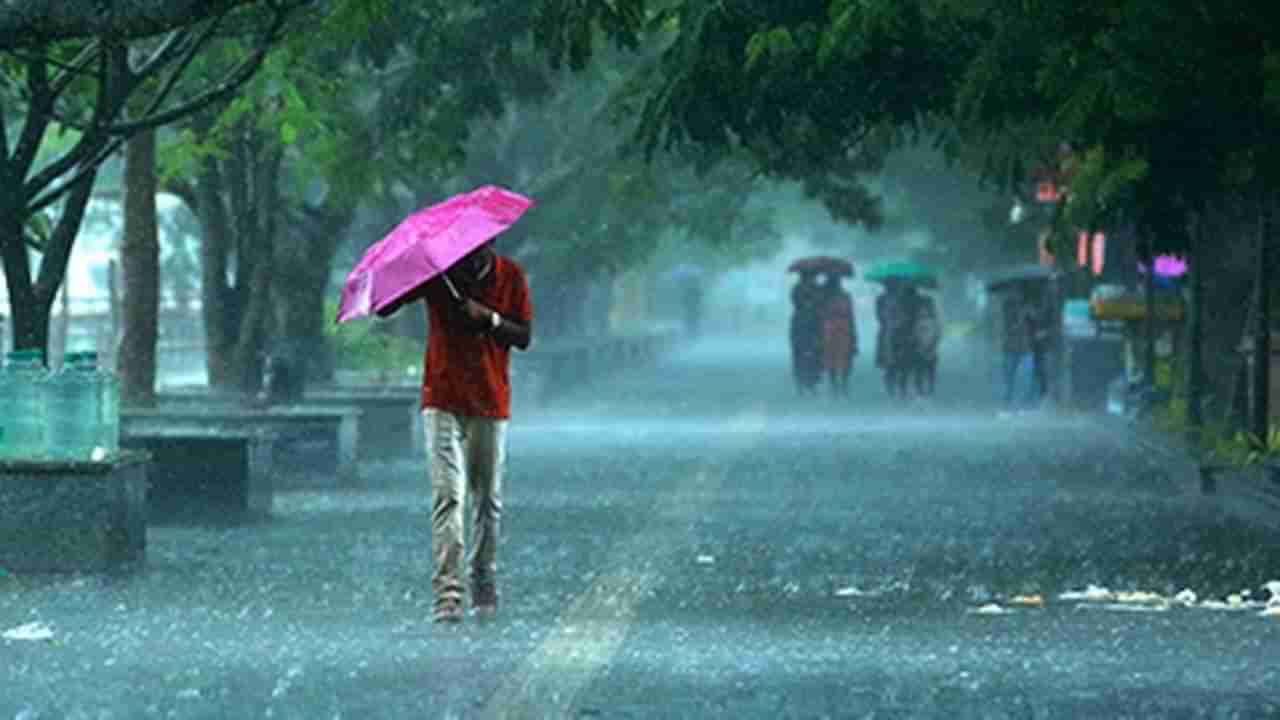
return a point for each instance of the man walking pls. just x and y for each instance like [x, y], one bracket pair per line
[476, 313]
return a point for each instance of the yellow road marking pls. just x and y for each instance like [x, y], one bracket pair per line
[591, 631]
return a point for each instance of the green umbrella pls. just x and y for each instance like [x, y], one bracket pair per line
[903, 270]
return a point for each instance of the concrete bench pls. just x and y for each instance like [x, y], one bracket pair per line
[73, 516]
[312, 446]
[200, 472]
[388, 419]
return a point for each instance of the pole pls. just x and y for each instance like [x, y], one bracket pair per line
[1149, 339]
[1195, 345]
[1260, 416]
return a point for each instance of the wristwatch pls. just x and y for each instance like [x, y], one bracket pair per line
[495, 321]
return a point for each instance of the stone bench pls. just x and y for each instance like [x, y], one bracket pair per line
[312, 446]
[73, 516]
[387, 426]
[388, 419]
[199, 472]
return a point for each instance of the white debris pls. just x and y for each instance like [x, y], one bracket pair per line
[990, 609]
[189, 694]
[852, 592]
[706, 559]
[1273, 587]
[1271, 611]
[31, 631]
[1186, 597]
[1139, 597]
[1132, 607]
[1093, 593]
[1220, 605]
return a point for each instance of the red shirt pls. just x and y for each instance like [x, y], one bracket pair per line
[465, 371]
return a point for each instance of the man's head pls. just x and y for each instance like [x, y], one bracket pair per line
[476, 263]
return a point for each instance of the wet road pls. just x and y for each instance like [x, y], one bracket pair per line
[694, 541]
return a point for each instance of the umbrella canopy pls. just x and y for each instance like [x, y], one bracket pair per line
[425, 244]
[1008, 278]
[903, 271]
[822, 264]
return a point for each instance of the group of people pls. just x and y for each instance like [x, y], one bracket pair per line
[910, 330]
[824, 336]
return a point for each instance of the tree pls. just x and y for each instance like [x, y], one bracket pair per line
[601, 208]
[35, 23]
[104, 91]
[140, 263]
[376, 112]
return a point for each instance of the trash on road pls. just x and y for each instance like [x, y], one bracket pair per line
[1093, 593]
[991, 609]
[1096, 597]
[31, 631]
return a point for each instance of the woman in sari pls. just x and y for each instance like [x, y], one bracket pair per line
[839, 336]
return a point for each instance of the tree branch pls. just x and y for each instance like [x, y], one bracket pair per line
[230, 84]
[32, 23]
[78, 67]
[37, 119]
[94, 144]
[90, 141]
[57, 251]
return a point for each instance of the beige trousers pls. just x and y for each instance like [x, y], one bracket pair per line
[465, 456]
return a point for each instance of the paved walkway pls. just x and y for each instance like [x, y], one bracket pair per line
[694, 541]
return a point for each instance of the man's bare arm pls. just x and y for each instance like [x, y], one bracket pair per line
[504, 330]
[514, 334]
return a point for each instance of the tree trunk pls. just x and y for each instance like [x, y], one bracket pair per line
[1259, 424]
[140, 261]
[59, 329]
[31, 299]
[218, 302]
[300, 291]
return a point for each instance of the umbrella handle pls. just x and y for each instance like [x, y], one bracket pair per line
[452, 290]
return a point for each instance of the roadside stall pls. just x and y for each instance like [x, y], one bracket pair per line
[1122, 313]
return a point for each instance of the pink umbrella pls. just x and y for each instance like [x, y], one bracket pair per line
[426, 244]
[1169, 266]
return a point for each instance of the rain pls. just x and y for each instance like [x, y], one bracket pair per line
[637, 360]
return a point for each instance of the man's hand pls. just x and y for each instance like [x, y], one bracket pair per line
[477, 313]
[506, 331]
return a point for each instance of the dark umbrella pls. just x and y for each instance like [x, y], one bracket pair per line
[1011, 277]
[822, 264]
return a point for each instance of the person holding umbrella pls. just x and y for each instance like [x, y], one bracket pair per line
[806, 337]
[839, 335]
[808, 318]
[478, 308]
